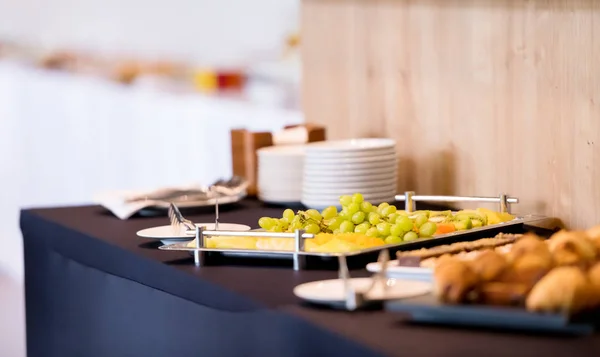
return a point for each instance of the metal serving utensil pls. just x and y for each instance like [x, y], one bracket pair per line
[353, 299]
[232, 187]
[177, 219]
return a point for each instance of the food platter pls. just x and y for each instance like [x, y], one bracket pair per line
[301, 237]
[515, 282]
[427, 310]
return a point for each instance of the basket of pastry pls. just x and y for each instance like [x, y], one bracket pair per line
[529, 282]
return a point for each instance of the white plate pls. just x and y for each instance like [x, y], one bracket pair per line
[281, 150]
[350, 170]
[341, 185]
[350, 145]
[310, 179]
[322, 161]
[352, 154]
[279, 198]
[333, 194]
[166, 232]
[402, 272]
[361, 166]
[332, 291]
[320, 205]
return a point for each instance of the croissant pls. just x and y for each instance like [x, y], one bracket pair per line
[593, 233]
[594, 278]
[454, 279]
[564, 289]
[488, 265]
[572, 248]
[529, 244]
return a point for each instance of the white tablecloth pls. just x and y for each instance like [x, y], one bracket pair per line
[64, 138]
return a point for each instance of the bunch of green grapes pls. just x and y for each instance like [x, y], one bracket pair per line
[358, 216]
[311, 221]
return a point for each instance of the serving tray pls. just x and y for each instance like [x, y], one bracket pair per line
[427, 310]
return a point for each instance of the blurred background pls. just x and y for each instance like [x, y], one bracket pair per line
[98, 95]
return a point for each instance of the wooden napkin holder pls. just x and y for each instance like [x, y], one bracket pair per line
[244, 145]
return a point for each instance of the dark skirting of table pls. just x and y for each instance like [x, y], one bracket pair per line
[93, 288]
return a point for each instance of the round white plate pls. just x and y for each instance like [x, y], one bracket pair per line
[341, 185]
[352, 154]
[350, 145]
[320, 204]
[316, 171]
[332, 291]
[281, 150]
[166, 232]
[320, 160]
[331, 194]
[368, 166]
[402, 272]
[317, 179]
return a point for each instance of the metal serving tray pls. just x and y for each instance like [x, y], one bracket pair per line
[298, 255]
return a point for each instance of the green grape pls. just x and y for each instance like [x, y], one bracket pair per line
[366, 206]
[347, 227]
[296, 223]
[358, 198]
[335, 223]
[329, 212]
[420, 220]
[358, 217]
[362, 228]
[405, 223]
[345, 200]
[409, 236]
[392, 218]
[384, 229]
[427, 229]
[344, 213]
[267, 222]
[372, 232]
[353, 208]
[374, 218]
[393, 239]
[314, 214]
[288, 214]
[283, 225]
[402, 213]
[381, 207]
[386, 211]
[397, 230]
[312, 228]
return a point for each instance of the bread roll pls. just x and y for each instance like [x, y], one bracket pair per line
[454, 279]
[564, 290]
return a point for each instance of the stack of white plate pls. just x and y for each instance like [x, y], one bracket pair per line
[345, 167]
[280, 170]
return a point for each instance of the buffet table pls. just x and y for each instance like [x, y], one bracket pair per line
[93, 288]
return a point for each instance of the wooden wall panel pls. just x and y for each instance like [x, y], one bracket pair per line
[483, 96]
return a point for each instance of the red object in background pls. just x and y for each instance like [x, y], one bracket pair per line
[231, 80]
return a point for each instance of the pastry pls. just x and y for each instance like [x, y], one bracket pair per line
[572, 248]
[564, 290]
[529, 244]
[488, 265]
[502, 294]
[454, 279]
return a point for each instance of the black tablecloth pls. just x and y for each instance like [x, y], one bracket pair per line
[93, 288]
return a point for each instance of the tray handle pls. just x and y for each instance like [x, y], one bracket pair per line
[409, 198]
[299, 236]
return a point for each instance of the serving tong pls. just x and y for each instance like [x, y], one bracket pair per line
[231, 187]
[355, 300]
